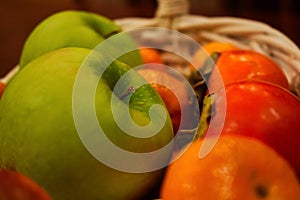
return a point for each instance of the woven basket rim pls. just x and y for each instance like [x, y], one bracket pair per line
[241, 32]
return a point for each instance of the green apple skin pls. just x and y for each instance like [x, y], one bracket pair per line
[70, 28]
[38, 136]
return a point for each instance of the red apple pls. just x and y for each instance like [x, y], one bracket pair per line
[16, 186]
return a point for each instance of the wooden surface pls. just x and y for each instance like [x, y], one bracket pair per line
[19, 17]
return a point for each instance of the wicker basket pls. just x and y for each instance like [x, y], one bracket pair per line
[243, 33]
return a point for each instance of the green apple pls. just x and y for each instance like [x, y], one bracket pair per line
[38, 135]
[71, 28]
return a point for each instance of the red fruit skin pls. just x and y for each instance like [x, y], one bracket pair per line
[2, 88]
[168, 86]
[151, 55]
[264, 111]
[235, 65]
[15, 186]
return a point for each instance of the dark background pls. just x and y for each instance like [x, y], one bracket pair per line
[19, 17]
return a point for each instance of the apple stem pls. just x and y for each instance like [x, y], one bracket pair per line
[10, 74]
[127, 92]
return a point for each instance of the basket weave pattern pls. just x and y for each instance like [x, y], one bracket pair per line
[243, 33]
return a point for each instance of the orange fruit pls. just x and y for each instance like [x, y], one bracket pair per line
[150, 55]
[235, 65]
[172, 104]
[209, 48]
[17, 186]
[168, 86]
[236, 168]
[2, 88]
[263, 111]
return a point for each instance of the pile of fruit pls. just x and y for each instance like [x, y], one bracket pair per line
[47, 140]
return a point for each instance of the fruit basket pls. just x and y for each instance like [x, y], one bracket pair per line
[178, 28]
[241, 32]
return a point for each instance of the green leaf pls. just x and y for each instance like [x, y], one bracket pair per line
[206, 115]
